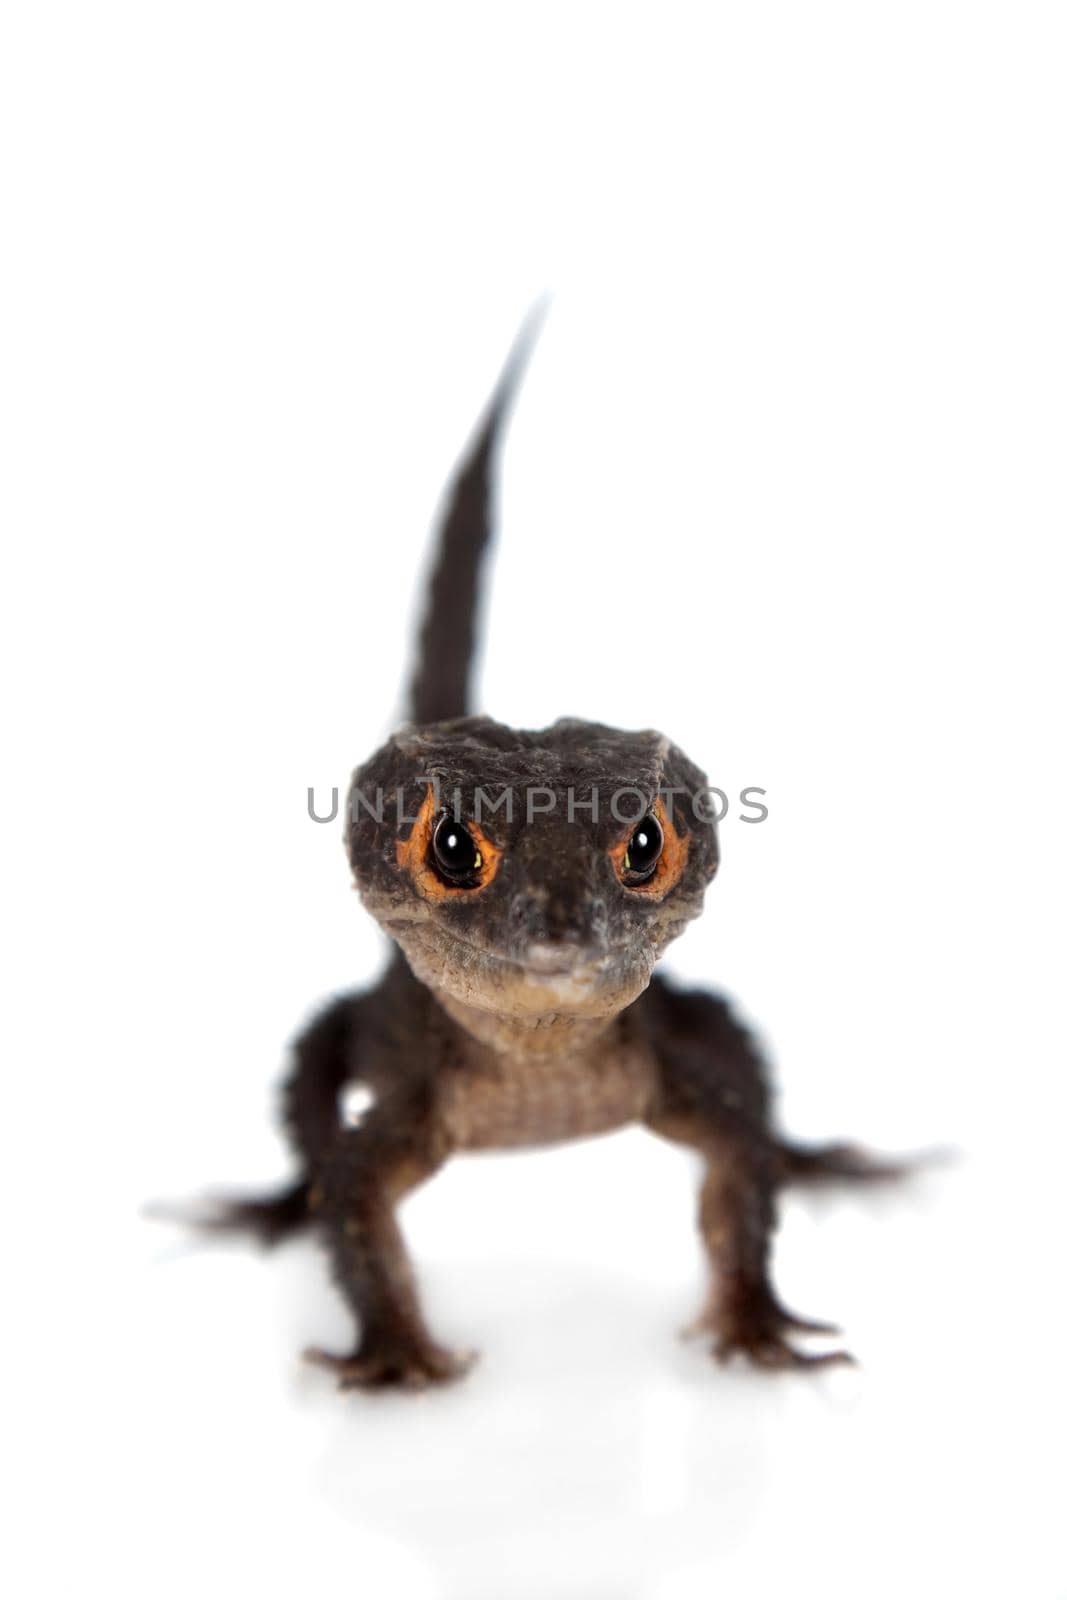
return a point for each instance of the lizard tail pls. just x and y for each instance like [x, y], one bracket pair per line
[837, 1163]
[440, 689]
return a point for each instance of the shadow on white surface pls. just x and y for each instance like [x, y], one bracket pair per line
[582, 1432]
[591, 1452]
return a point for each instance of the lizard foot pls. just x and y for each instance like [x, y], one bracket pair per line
[757, 1327]
[400, 1363]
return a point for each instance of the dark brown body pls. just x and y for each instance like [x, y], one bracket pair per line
[675, 1060]
[521, 1007]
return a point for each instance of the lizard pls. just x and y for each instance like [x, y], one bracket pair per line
[520, 1006]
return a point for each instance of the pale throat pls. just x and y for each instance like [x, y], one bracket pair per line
[526, 1032]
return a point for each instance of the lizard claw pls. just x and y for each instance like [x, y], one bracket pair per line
[756, 1326]
[774, 1353]
[400, 1364]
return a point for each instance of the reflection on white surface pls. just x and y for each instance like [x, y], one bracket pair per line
[591, 1452]
[786, 481]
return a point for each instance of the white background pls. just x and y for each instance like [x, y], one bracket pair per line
[786, 480]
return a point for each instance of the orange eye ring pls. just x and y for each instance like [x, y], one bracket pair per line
[415, 856]
[668, 869]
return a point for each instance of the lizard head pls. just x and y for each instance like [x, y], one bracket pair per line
[531, 875]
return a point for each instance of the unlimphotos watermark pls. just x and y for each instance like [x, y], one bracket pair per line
[623, 804]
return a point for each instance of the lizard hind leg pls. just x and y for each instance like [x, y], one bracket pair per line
[839, 1163]
[269, 1219]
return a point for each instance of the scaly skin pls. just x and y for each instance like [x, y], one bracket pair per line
[521, 1007]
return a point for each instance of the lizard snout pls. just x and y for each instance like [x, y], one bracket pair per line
[549, 922]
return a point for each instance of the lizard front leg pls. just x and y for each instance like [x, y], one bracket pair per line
[712, 1094]
[354, 1200]
[737, 1217]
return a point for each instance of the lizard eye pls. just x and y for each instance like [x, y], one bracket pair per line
[444, 856]
[643, 851]
[455, 853]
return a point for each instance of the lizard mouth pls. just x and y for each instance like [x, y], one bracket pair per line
[560, 976]
[541, 964]
[545, 982]
[578, 963]
[550, 977]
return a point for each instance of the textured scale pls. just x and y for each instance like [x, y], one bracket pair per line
[520, 1007]
[506, 1101]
